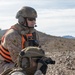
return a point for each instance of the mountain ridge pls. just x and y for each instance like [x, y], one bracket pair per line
[68, 36]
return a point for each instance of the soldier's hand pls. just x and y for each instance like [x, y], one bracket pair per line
[42, 66]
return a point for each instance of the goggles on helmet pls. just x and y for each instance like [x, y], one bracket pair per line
[17, 73]
[31, 19]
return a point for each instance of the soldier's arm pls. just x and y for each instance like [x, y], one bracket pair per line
[12, 42]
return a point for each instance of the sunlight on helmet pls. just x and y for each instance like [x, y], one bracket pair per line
[17, 73]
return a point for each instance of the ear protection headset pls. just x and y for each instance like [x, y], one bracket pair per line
[23, 61]
[21, 20]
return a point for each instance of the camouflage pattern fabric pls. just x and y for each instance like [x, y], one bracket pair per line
[13, 40]
[4, 66]
[30, 52]
[27, 12]
[33, 53]
[15, 71]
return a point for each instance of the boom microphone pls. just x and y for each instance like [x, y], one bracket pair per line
[35, 26]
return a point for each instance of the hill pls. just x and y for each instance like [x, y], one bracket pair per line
[62, 50]
[2, 32]
[68, 36]
[56, 43]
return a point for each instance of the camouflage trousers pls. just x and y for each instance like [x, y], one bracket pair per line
[4, 66]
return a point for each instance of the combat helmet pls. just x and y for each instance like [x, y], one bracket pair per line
[27, 53]
[26, 12]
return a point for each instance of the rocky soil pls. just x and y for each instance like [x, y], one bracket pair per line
[65, 63]
[62, 51]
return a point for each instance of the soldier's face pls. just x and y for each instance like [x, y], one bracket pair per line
[31, 22]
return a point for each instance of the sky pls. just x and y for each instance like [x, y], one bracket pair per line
[55, 17]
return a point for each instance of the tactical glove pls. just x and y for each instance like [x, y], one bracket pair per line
[42, 66]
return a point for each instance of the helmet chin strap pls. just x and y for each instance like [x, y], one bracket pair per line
[26, 23]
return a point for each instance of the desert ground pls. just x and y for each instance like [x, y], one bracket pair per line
[61, 50]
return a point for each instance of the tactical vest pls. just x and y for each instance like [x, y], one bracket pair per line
[5, 53]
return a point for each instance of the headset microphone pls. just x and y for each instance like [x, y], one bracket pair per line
[35, 26]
